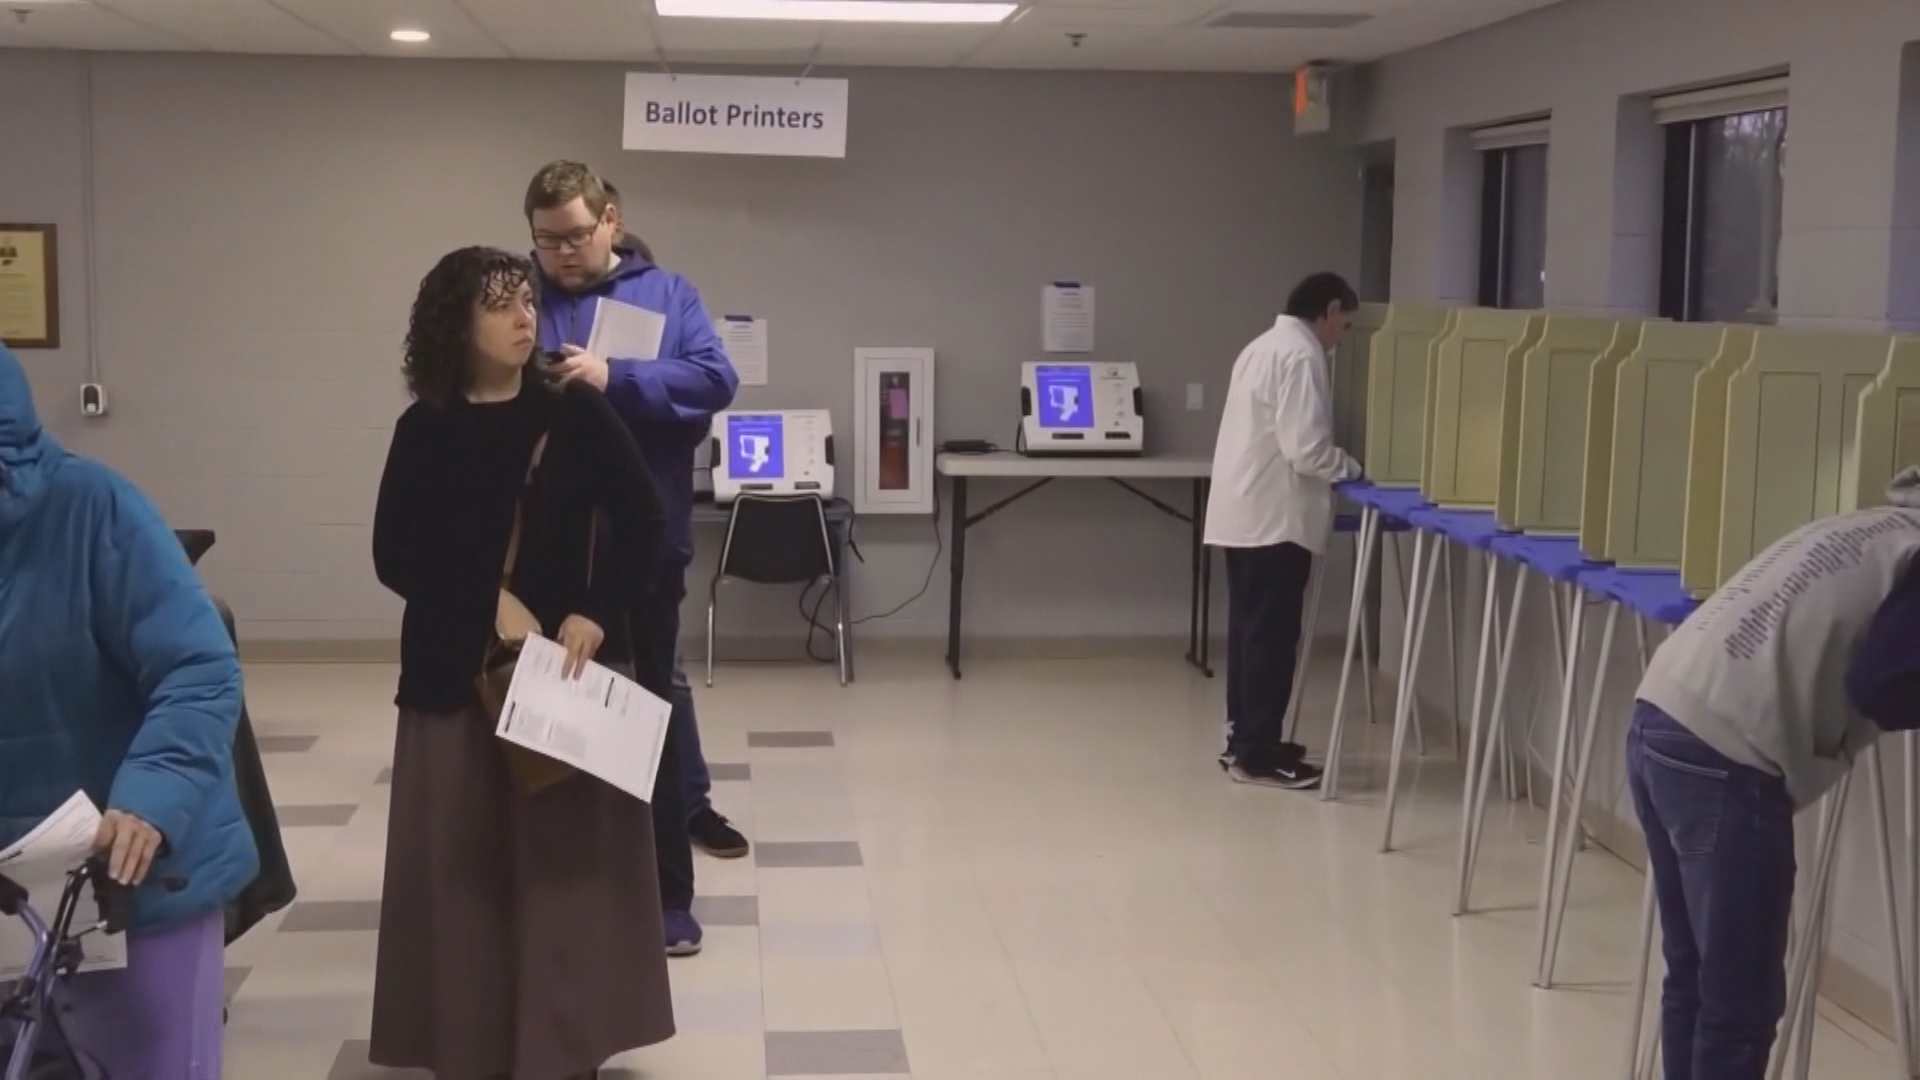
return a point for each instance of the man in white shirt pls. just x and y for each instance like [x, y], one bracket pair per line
[1274, 467]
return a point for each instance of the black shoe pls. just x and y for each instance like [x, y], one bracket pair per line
[715, 835]
[1287, 751]
[1276, 770]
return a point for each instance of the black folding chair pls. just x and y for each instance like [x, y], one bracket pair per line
[780, 540]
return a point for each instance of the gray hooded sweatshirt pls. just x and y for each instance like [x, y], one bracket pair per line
[1759, 672]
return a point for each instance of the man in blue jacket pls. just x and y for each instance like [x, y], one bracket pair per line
[668, 400]
[117, 679]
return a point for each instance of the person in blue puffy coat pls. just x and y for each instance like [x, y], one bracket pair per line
[118, 679]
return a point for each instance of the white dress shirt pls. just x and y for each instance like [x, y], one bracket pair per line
[1274, 463]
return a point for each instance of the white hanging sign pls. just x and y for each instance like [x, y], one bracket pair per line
[730, 114]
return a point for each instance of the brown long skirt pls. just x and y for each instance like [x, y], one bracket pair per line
[520, 934]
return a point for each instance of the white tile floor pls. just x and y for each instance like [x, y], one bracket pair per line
[1055, 882]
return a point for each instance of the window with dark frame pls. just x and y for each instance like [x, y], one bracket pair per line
[1513, 227]
[1720, 217]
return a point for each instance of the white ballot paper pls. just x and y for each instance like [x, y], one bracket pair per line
[39, 862]
[624, 332]
[746, 340]
[601, 723]
[1066, 310]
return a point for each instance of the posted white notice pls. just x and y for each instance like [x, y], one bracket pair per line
[624, 332]
[601, 723]
[1066, 310]
[39, 863]
[746, 341]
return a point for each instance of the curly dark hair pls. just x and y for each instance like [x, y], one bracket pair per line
[439, 348]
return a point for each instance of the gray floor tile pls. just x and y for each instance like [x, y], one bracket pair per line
[385, 777]
[836, 1053]
[807, 854]
[319, 816]
[726, 770]
[727, 910]
[351, 1064]
[286, 744]
[332, 917]
[788, 740]
[236, 978]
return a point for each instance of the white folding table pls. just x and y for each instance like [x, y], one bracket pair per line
[1042, 470]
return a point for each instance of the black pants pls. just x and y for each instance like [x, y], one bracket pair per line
[1266, 590]
[656, 632]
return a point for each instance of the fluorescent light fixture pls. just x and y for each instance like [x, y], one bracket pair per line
[411, 37]
[862, 11]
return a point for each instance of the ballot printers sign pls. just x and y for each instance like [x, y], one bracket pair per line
[1066, 395]
[756, 447]
[731, 114]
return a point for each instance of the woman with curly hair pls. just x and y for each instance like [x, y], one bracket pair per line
[520, 927]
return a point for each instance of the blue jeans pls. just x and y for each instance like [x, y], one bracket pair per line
[693, 760]
[1720, 845]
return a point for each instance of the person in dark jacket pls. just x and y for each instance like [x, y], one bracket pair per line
[519, 928]
[628, 242]
[668, 401]
[708, 828]
[118, 680]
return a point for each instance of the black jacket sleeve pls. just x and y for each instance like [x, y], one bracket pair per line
[403, 515]
[1883, 681]
[625, 496]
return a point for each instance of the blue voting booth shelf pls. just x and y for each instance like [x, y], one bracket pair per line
[1394, 504]
[1654, 594]
[1475, 529]
[1556, 558]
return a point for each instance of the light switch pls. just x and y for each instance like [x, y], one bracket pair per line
[1196, 396]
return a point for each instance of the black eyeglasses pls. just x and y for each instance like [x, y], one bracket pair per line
[576, 239]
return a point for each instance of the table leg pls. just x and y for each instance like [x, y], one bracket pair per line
[956, 571]
[1204, 491]
[1199, 585]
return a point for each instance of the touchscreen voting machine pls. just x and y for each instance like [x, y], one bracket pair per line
[773, 453]
[1080, 407]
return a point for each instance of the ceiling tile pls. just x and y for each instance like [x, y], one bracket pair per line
[228, 25]
[568, 29]
[907, 46]
[84, 27]
[1087, 16]
[1021, 46]
[1226, 50]
[365, 24]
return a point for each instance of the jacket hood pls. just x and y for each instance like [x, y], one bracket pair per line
[27, 452]
[1905, 489]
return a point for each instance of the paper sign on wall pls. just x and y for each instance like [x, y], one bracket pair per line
[730, 114]
[746, 340]
[1066, 313]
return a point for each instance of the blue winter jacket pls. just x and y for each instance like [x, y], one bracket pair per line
[117, 677]
[668, 401]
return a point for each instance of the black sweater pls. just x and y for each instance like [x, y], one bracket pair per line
[454, 474]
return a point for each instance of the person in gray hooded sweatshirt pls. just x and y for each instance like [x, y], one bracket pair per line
[1752, 710]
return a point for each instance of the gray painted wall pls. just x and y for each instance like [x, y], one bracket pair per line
[1849, 256]
[262, 223]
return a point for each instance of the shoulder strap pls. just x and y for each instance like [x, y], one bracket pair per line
[519, 504]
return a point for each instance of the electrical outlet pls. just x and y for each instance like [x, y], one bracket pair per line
[1196, 396]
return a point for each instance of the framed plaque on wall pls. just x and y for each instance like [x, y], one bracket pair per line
[29, 287]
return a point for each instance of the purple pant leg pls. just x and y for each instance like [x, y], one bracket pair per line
[159, 1019]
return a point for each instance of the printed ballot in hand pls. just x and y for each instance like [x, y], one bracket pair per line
[39, 863]
[624, 332]
[602, 723]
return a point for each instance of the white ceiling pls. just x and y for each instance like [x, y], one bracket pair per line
[1168, 35]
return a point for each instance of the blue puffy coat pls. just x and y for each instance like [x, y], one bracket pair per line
[117, 677]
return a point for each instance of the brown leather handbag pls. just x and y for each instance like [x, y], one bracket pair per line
[512, 623]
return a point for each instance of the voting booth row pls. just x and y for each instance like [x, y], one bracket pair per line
[1634, 462]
